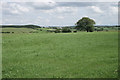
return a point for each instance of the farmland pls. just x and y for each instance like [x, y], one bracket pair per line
[59, 55]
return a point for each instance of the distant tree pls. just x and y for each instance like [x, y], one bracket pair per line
[85, 24]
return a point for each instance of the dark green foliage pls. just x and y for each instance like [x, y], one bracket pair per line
[99, 29]
[33, 32]
[40, 29]
[66, 30]
[5, 32]
[50, 30]
[74, 31]
[102, 29]
[106, 30]
[54, 27]
[21, 26]
[57, 31]
[85, 24]
[118, 28]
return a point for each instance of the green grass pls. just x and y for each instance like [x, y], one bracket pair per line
[17, 30]
[64, 55]
[24, 30]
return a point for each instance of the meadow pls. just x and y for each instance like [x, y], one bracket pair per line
[60, 55]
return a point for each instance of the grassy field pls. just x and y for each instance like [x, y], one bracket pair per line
[17, 30]
[60, 55]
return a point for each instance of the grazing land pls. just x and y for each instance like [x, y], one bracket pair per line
[59, 55]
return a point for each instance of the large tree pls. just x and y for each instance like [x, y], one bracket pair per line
[85, 24]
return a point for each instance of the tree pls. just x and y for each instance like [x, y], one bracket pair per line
[85, 24]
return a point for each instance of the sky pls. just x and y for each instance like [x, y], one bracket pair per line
[52, 13]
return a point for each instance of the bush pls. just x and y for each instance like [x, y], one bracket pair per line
[54, 27]
[50, 30]
[74, 31]
[40, 29]
[99, 29]
[106, 30]
[32, 32]
[118, 28]
[5, 32]
[57, 31]
[66, 30]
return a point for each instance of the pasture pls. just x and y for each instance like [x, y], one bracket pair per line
[60, 55]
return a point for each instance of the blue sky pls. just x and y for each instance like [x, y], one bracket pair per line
[58, 13]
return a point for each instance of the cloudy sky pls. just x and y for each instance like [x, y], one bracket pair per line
[58, 13]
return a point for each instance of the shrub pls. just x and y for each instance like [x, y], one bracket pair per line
[74, 31]
[99, 29]
[54, 28]
[118, 28]
[106, 30]
[29, 32]
[32, 32]
[66, 30]
[57, 31]
[5, 32]
[50, 30]
[102, 29]
[40, 29]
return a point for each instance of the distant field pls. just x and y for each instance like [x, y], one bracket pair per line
[60, 55]
[17, 30]
[24, 30]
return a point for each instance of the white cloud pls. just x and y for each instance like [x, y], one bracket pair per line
[66, 9]
[27, 0]
[60, 17]
[62, 10]
[43, 5]
[14, 8]
[47, 20]
[39, 17]
[62, 0]
[51, 13]
[96, 9]
[114, 10]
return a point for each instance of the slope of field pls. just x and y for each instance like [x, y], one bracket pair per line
[64, 55]
[17, 30]
[24, 30]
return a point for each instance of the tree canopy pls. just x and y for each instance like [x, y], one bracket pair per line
[85, 24]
